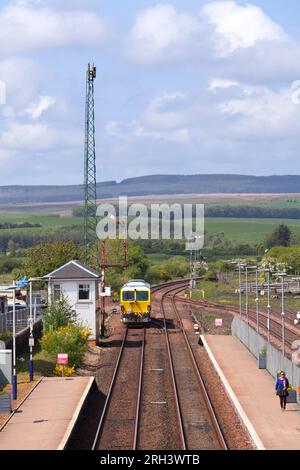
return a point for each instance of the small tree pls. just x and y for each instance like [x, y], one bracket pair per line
[58, 314]
[46, 257]
[280, 237]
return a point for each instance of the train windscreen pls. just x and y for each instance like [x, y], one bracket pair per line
[142, 295]
[128, 295]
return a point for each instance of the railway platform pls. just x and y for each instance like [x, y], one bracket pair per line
[45, 420]
[253, 391]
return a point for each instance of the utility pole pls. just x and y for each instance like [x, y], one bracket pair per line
[14, 377]
[91, 254]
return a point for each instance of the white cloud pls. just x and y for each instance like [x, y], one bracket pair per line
[225, 38]
[240, 26]
[36, 137]
[137, 130]
[217, 83]
[35, 110]
[28, 26]
[161, 33]
[22, 77]
[262, 113]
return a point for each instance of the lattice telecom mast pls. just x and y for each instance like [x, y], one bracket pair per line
[90, 189]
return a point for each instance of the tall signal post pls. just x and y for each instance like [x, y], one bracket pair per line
[91, 254]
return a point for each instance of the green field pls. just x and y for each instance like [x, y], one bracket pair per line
[248, 230]
[47, 221]
[239, 229]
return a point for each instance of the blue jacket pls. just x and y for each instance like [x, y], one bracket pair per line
[279, 384]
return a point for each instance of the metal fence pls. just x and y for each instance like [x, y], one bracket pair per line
[22, 319]
[275, 360]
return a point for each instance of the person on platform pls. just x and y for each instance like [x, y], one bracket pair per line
[281, 388]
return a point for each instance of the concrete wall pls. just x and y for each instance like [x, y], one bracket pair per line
[275, 361]
[22, 337]
[85, 309]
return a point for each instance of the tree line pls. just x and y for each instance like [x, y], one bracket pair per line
[240, 211]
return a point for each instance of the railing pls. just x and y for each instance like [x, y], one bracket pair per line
[22, 319]
[289, 287]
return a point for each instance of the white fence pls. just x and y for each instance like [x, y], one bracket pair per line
[275, 359]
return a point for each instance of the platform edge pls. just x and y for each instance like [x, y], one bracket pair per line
[239, 409]
[75, 416]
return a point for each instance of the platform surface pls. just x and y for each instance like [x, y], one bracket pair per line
[46, 417]
[255, 390]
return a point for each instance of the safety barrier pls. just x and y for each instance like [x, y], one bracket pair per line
[274, 358]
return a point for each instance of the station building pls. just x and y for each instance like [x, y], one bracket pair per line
[79, 284]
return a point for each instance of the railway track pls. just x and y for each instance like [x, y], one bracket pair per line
[197, 422]
[119, 422]
[292, 333]
[146, 394]
[157, 398]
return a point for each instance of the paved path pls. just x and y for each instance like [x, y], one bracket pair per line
[46, 417]
[254, 389]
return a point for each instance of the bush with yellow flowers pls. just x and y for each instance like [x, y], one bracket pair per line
[71, 339]
[65, 371]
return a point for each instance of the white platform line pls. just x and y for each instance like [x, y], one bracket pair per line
[244, 418]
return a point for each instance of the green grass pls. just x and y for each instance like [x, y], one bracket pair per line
[248, 230]
[43, 363]
[157, 258]
[47, 221]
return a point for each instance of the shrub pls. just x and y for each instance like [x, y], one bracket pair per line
[58, 314]
[64, 370]
[5, 336]
[70, 339]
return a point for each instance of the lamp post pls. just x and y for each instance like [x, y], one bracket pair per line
[14, 377]
[239, 265]
[31, 322]
[267, 271]
[247, 291]
[31, 338]
[9, 290]
[282, 275]
[247, 299]
[256, 301]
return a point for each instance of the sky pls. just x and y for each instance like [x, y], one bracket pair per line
[182, 87]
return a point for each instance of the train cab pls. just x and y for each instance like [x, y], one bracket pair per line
[135, 302]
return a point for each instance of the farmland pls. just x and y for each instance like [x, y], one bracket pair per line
[239, 229]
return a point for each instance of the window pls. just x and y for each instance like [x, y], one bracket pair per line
[84, 292]
[57, 291]
[128, 295]
[142, 295]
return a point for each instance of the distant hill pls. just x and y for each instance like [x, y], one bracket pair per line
[156, 184]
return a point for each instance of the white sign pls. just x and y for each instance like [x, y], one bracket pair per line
[106, 293]
[218, 322]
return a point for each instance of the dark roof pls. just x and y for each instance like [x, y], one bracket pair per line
[73, 270]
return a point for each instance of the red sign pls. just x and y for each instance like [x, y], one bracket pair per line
[62, 359]
[218, 322]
